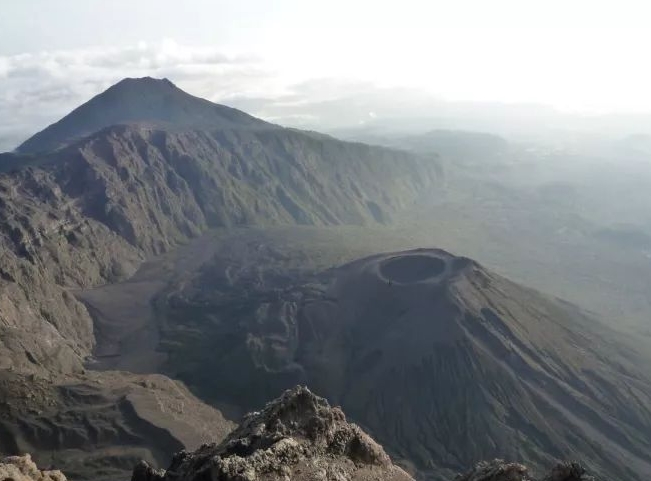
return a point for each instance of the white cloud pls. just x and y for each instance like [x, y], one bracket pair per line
[37, 89]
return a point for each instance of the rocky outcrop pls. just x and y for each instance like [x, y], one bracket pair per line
[499, 470]
[22, 468]
[298, 436]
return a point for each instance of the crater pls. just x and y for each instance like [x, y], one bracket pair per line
[411, 268]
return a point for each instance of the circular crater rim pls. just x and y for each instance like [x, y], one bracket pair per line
[411, 268]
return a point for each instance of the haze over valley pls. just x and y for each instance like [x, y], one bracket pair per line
[230, 254]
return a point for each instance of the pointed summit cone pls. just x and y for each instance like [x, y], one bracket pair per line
[138, 100]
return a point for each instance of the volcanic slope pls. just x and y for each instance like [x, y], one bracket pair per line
[444, 362]
[90, 212]
[98, 425]
[136, 171]
[138, 100]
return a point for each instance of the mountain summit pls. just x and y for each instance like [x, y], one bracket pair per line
[138, 100]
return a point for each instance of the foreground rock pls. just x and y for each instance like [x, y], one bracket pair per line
[498, 470]
[22, 468]
[298, 436]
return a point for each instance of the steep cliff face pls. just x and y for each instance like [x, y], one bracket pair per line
[48, 247]
[150, 184]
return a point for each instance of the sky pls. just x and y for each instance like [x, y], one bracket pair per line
[279, 56]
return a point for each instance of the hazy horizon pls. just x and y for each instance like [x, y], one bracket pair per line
[301, 63]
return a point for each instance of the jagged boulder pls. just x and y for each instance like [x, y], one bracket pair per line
[22, 468]
[299, 436]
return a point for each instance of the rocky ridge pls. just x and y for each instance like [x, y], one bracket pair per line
[298, 436]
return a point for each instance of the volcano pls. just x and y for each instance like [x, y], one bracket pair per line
[137, 101]
[442, 361]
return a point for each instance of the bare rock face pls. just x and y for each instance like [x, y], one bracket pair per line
[22, 468]
[298, 436]
[499, 470]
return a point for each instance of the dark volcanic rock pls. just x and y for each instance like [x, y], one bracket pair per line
[498, 470]
[298, 436]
